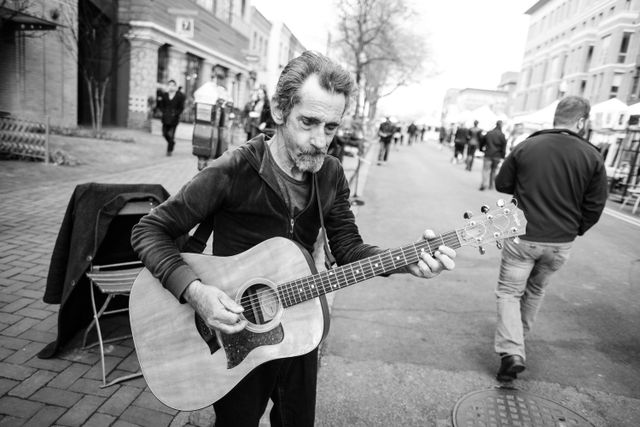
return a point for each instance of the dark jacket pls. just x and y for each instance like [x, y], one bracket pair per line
[171, 108]
[494, 144]
[560, 182]
[89, 213]
[462, 136]
[240, 191]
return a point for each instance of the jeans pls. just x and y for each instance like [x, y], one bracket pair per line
[525, 272]
[383, 154]
[290, 383]
[471, 152]
[169, 132]
[489, 167]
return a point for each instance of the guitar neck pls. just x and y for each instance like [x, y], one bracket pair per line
[306, 288]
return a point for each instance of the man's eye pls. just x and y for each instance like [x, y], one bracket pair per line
[306, 121]
[331, 128]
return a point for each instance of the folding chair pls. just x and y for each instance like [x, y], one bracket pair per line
[111, 276]
[632, 193]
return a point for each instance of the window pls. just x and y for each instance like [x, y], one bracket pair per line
[587, 62]
[616, 82]
[604, 48]
[624, 47]
[583, 87]
[205, 4]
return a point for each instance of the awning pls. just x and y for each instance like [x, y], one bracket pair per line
[20, 21]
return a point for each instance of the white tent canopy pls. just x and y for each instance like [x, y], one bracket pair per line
[542, 118]
[609, 114]
[634, 109]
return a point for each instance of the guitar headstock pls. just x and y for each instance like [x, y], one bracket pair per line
[493, 225]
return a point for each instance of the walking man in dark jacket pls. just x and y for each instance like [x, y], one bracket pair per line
[171, 104]
[560, 183]
[494, 145]
[282, 187]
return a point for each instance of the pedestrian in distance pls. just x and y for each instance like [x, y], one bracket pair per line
[459, 142]
[171, 103]
[475, 136]
[258, 117]
[282, 187]
[385, 133]
[412, 130]
[560, 182]
[494, 146]
[423, 129]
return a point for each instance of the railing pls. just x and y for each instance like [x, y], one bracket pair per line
[24, 138]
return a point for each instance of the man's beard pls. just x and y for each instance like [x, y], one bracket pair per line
[310, 162]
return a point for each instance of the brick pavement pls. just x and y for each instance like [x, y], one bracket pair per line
[65, 390]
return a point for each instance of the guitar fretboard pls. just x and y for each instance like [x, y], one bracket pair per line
[306, 288]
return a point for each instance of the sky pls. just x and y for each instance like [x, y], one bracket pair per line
[472, 43]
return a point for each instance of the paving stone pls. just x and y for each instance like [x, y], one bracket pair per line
[120, 400]
[67, 377]
[145, 417]
[9, 421]
[16, 305]
[45, 417]
[79, 413]
[149, 401]
[6, 385]
[99, 420]
[32, 384]
[33, 313]
[19, 327]
[22, 355]
[89, 386]
[15, 372]
[18, 407]
[41, 337]
[56, 396]
[56, 365]
[9, 318]
[7, 297]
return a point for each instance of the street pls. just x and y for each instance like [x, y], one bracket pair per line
[402, 351]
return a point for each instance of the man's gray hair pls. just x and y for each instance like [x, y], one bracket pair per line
[570, 109]
[332, 77]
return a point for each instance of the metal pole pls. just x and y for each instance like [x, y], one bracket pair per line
[46, 141]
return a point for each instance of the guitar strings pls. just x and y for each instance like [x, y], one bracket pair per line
[286, 290]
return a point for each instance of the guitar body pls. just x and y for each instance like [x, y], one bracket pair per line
[185, 368]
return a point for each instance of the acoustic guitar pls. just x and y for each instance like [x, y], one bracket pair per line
[189, 366]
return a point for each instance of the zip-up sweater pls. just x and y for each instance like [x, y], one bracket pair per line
[559, 181]
[240, 191]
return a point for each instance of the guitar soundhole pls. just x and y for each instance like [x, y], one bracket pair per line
[260, 303]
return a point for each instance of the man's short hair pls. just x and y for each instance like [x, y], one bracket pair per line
[570, 109]
[332, 77]
[172, 81]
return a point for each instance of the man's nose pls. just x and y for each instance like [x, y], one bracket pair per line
[318, 138]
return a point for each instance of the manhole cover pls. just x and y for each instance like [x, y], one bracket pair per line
[508, 407]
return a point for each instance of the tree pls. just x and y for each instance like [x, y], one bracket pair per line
[376, 39]
[96, 41]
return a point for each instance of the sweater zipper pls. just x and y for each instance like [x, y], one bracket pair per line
[291, 224]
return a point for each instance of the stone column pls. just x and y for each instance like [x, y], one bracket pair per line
[142, 81]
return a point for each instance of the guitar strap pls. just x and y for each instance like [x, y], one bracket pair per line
[329, 260]
[198, 241]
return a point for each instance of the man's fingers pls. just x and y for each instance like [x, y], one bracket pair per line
[230, 304]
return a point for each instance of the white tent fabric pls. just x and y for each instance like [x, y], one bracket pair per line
[542, 118]
[609, 114]
[634, 109]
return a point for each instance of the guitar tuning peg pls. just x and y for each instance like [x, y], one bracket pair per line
[516, 240]
[467, 214]
[499, 244]
[500, 203]
[482, 250]
[484, 209]
[514, 202]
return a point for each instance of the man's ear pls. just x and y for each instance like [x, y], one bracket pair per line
[277, 115]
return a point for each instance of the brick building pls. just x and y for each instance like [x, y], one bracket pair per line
[38, 73]
[580, 47]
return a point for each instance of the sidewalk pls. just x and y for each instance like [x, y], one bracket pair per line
[65, 391]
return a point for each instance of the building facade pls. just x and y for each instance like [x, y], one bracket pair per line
[189, 41]
[588, 48]
[283, 46]
[38, 74]
[259, 48]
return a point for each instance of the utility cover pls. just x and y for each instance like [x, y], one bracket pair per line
[509, 407]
